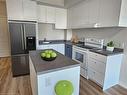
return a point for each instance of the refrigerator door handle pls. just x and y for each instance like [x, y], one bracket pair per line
[24, 30]
[21, 28]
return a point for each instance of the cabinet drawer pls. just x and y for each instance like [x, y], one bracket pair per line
[83, 65]
[96, 76]
[97, 65]
[98, 57]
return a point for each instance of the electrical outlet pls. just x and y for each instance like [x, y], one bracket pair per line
[47, 82]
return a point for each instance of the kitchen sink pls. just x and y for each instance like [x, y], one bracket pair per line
[46, 42]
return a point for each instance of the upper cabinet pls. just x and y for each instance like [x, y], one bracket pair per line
[78, 16]
[29, 10]
[109, 13]
[61, 18]
[14, 9]
[98, 13]
[41, 13]
[50, 14]
[57, 16]
[46, 14]
[21, 10]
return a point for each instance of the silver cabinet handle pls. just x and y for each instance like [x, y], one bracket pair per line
[24, 36]
[21, 28]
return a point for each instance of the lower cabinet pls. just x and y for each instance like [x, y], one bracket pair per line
[68, 50]
[44, 83]
[58, 47]
[96, 76]
[104, 70]
[83, 72]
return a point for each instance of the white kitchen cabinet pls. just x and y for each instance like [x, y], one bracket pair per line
[94, 9]
[43, 47]
[61, 48]
[29, 10]
[58, 47]
[109, 13]
[54, 46]
[113, 13]
[104, 70]
[43, 82]
[21, 10]
[98, 13]
[60, 18]
[14, 9]
[84, 15]
[50, 14]
[96, 77]
[78, 15]
[41, 13]
[46, 14]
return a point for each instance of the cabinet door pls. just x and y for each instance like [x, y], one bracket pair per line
[29, 10]
[96, 76]
[14, 9]
[61, 48]
[94, 7]
[41, 13]
[68, 51]
[79, 18]
[50, 14]
[109, 12]
[61, 18]
[54, 46]
[97, 65]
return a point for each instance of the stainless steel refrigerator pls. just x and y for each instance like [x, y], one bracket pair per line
[23, 39]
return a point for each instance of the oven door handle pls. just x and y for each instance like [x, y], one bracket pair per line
[81, 51]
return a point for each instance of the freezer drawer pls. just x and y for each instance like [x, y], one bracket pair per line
[20, 65]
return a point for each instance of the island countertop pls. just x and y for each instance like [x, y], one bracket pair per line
[60, 63]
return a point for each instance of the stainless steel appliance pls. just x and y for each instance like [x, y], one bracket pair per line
[31, 43]
[20, 46]
[81, 51]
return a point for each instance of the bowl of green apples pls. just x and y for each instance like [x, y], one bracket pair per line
[48, 55]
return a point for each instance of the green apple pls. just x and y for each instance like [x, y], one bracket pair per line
[50, 51]
[64, 88]
[43, 54]
[53, 54]
[48, 55]
[46, 51]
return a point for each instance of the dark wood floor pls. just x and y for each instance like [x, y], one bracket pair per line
[21, 85]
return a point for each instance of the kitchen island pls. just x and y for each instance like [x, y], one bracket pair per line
[45, 74]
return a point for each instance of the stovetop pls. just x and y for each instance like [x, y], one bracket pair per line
[85, 46]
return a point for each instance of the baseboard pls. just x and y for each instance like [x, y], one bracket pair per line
[123, 85]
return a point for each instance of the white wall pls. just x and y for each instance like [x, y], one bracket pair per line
[119, 35]
[4, 34]
[47, 31]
